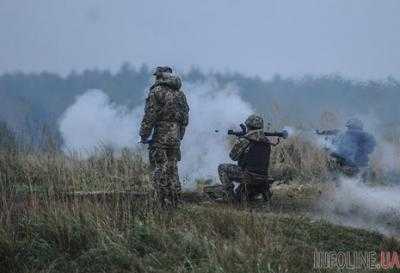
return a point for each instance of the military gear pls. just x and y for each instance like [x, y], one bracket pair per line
[254, 122]
[257, 158]
[252, 152]
[165, 119]
[354, 124]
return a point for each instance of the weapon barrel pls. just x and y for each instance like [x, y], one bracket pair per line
[243, 132]
[236, 133]
[328, 132]
[239, 133]
[283, 134]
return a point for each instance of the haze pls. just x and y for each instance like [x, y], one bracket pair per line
[355, 38]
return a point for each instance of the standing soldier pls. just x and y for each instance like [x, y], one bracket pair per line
[165, 118]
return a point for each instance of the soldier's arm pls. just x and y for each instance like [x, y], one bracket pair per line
[238, 149]
[150, 115]
[185, 119]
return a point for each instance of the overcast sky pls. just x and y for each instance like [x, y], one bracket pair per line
[356, 38]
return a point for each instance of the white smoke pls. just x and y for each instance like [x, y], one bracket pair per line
[211, 109]
[94, 120]
[363, 204]
[389, 156]
[356, 204]
[320, 141]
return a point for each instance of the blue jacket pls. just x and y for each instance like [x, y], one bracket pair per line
[354, 146]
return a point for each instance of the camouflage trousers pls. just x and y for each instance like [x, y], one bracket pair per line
[165, 178]
[250, 184]
[229, 173]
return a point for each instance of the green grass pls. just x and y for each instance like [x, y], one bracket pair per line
[196, 238]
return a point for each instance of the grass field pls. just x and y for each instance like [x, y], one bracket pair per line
[43, 229]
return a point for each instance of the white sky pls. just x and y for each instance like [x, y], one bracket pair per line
[356, 38]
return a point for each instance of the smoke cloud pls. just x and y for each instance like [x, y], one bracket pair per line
[320, 141]
[211, 109]
[353, 203]
[94, 120]
[372, 205]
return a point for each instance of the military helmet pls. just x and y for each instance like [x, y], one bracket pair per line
[254, 122]
[162, 69]
[354, 123]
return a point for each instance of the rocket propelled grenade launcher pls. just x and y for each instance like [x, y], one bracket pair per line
[243, 132]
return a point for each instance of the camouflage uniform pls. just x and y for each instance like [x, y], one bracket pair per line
[229, 173]
[165, 117]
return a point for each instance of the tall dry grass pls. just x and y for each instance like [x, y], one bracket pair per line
[298, 159]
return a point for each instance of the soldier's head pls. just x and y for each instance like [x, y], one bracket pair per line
[162, 71]
[354, 123]
[254, 122]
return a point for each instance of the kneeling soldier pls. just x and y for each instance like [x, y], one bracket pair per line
[252, 153]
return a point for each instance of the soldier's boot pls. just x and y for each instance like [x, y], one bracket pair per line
[164, 198]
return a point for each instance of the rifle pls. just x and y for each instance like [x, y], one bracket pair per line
[327, 132]
[243, 132]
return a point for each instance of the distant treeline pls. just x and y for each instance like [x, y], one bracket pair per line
[32, 102]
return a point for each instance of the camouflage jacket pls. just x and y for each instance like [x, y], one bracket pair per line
[166, 113]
